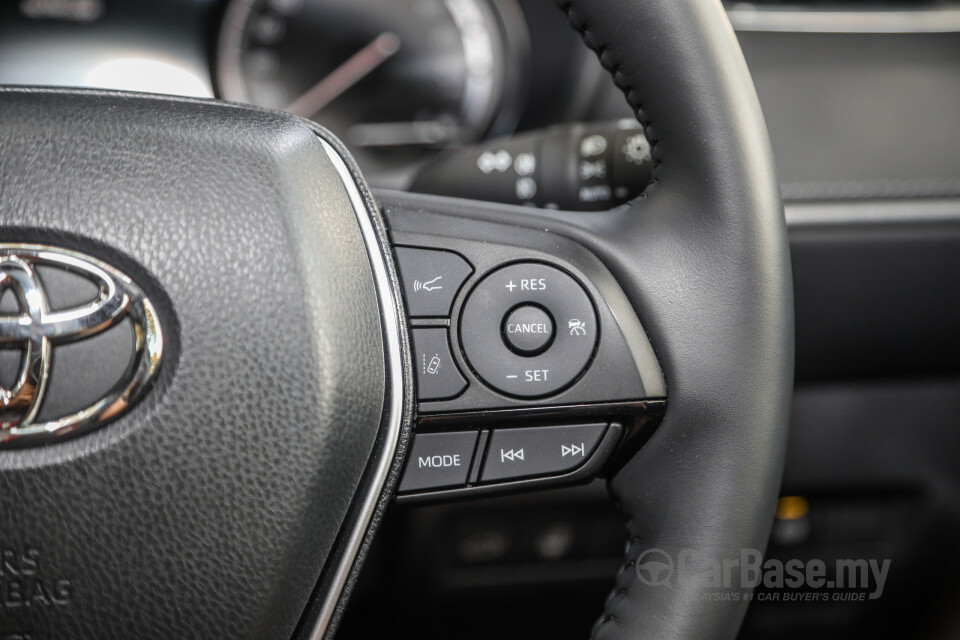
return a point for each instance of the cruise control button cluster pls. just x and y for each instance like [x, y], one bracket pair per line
[431, 279]
[539, 451]
[554, 329]
[437, 374]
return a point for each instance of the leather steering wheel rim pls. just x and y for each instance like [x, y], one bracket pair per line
[704, 256]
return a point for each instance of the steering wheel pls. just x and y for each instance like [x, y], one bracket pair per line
[217, 396]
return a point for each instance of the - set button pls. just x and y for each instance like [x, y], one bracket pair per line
[431, 280]
[539, 451]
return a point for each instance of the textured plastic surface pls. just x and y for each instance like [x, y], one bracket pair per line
[209, 509]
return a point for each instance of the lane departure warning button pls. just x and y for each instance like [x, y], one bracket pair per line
[437, 374]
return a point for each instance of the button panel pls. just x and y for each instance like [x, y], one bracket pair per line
[439, 460]
[437, 373]
[539, 451]
[476, 461]
[431, 279]
[528, 284]
[529, 352]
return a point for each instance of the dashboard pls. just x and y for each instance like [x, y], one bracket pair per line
[403, 81]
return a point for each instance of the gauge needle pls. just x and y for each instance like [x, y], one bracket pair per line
[346, 75]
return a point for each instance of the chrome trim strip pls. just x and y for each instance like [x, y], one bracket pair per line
[872, 212]
[796, 19]
[391, 330]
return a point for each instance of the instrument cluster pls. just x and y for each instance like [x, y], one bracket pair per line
[397, 80]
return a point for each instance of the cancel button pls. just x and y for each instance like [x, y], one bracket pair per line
[438, 460]
[528, 330]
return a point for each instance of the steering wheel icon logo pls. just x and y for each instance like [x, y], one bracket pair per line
[654, 567]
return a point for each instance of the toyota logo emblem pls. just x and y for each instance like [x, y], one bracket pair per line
[37, 328]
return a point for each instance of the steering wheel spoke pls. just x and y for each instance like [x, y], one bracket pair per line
[532, 367]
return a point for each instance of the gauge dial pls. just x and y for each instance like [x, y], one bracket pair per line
[392, 78]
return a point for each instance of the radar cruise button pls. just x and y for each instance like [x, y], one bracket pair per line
[431, 280]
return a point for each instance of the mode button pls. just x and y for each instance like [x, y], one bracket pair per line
[438, 460]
